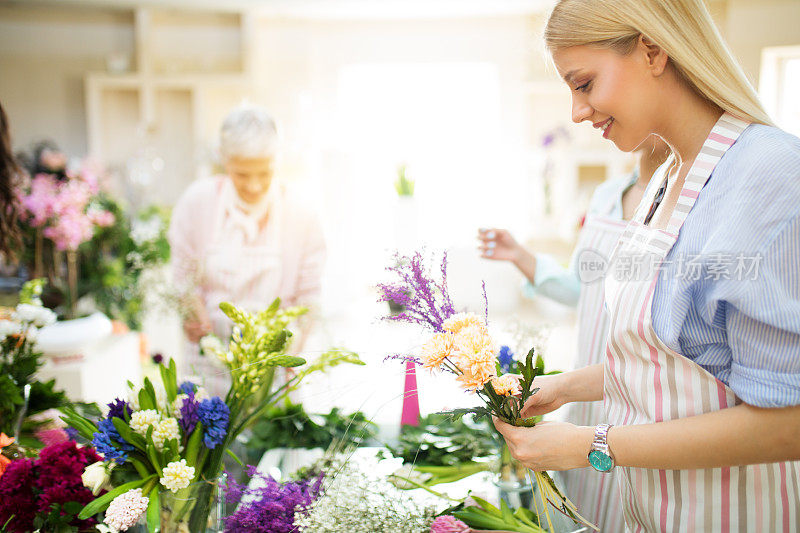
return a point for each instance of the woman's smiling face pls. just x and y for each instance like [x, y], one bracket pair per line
[615, 92]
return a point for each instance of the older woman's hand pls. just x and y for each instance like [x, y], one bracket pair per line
[548, 445]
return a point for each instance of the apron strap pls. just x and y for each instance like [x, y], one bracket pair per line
[724, 133]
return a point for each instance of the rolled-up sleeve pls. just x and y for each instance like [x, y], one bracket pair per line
[762, 319]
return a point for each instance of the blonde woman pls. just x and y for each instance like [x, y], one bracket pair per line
[611, 205]
[701, 380]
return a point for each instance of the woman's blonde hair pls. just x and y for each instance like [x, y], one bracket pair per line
[682, 28]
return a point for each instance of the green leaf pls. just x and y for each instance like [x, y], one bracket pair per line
[193, 446]
[151, 392]
[144, 400]
[154, 512]
[235, 458]
[152, 453]
[507, 514]
[170, 383]
[100, 504]
[128, 434]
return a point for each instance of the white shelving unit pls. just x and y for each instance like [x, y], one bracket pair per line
[190, 68]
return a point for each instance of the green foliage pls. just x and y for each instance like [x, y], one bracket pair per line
[19, 361]
[290, 426]
[112, 262]
[441, 441]
[484, 515]
[403, 185]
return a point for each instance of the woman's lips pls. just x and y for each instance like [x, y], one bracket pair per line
[606, 127]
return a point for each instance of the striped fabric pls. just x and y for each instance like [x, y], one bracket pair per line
[728, 295]
[647, 382]
[595, 494]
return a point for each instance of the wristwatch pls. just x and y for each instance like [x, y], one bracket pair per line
[600, 457]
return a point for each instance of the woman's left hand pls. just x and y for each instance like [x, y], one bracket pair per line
[548, 445]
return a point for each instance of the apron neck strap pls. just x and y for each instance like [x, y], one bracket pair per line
[724, 133]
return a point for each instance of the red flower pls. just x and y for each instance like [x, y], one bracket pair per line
[16, 496]
[28, 487]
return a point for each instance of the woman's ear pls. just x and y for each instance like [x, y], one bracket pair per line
[655, 56]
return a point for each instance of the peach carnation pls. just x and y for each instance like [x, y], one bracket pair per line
[459, 321]
[434, 352]
[506, 385]
[475, 357]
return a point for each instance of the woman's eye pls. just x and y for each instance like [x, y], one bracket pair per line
[583, 87]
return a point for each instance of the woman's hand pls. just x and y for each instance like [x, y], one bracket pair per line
[498, 244]
[548, 445]
[550, 396]
[197, 326]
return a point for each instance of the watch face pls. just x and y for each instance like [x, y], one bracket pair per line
[600, 461]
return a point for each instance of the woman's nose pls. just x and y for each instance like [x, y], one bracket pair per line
[580, 110]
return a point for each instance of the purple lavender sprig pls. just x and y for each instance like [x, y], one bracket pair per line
[426, 301]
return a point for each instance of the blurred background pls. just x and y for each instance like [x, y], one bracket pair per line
[459, 93]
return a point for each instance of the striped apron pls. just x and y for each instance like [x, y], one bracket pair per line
[647, 382]
[596, 496]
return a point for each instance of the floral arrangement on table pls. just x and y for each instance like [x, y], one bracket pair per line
[163, 448]
[82, 240]
[21, 394]
[47, 493]
[61, 211]
[461, 344]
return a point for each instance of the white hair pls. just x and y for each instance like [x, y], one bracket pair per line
[248, 131]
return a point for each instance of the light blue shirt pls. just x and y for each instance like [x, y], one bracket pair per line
[728, 295]
[560, 283]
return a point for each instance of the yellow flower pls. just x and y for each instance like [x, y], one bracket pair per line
[506, 385]
[459, 321]
[436, 350]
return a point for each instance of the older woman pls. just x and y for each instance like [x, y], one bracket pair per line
[242, 238]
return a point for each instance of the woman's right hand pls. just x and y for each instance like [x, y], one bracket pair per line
[550, 396]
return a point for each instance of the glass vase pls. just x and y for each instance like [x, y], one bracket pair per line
[195, 509]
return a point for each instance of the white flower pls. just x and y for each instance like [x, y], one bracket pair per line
[211, 345]
[165, 431]
[8, 327]
[143, 231]
[141, 420]
[103, 528]
[126, 509]
[34, 314]
[177, 404]
[177, 475]
[201, 394]
[96, 477]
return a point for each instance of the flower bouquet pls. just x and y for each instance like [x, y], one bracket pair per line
[165, 446]
[61, 211]
[462, 345]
